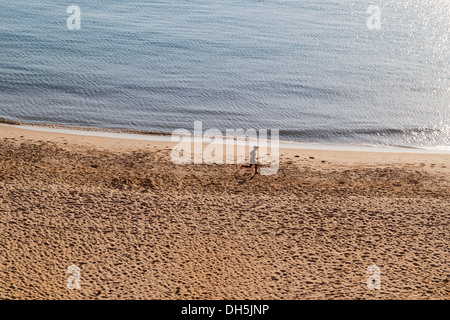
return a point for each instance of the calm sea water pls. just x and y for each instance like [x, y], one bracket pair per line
[309, 68]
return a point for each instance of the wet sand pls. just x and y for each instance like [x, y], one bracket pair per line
[141, 227]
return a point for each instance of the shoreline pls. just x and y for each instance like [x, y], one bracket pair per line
[126, 142]
[144, 135]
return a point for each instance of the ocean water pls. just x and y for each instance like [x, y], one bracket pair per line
[312, 69]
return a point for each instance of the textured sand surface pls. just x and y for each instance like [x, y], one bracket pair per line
[140, 227]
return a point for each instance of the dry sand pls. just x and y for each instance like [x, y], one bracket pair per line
[140, 227]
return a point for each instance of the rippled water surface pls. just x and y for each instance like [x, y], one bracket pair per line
[309, 68]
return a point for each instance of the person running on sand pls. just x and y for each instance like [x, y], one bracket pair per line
[253, 160]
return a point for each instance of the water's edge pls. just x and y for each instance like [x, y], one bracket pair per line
[143, 135]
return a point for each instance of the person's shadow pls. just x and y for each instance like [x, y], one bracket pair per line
[241, 182]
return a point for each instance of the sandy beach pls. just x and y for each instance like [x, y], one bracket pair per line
[140, 227]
